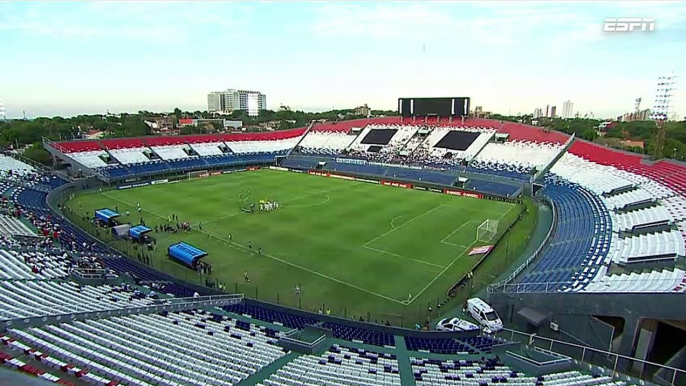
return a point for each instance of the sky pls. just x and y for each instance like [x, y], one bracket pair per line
[70, 58]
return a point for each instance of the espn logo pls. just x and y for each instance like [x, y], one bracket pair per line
[629, 24]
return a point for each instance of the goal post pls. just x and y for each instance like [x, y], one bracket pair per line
[487, 230]
[198, 173]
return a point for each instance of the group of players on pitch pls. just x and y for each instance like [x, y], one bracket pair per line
[268, 206]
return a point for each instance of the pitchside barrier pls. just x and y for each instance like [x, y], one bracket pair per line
[407, 184]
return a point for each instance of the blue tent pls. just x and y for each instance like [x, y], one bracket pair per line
[106, 215]
[138, 231]
[185, 253]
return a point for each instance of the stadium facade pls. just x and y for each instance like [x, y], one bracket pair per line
[605, 278]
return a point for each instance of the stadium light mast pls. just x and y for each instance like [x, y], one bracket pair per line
[3, 113]
[666, 85]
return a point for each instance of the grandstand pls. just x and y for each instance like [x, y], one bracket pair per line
[619, 228]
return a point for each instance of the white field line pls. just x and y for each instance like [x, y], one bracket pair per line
[247, 250]
[401, 225]
[402, 257]
[282, 202]
[393, 221]
[452, 233]
[450, 265]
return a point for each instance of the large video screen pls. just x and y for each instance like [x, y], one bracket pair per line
[441, 107]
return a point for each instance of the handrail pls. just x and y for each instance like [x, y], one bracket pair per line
[535, 362]
[531, 338]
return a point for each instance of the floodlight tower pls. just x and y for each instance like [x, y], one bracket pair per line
[666, 86]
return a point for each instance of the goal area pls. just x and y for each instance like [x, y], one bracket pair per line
[487, 231]
[199, 173]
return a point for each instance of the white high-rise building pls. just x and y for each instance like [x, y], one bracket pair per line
[538, 112]
[230, 100]
[567, 110]
[3, 113]
[215, 102]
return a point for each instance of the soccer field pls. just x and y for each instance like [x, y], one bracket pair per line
[352, 247]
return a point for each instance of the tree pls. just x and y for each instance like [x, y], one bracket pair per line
[589, 134]
[37, 153]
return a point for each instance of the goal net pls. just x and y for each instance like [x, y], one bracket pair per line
[487, 230]
[199, 173]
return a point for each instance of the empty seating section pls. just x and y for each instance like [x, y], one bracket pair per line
[493, 187]
[254, 147]
[271, 316]
[626, 199]
[647, 247]
[627, 221]
[580, 243]
[188, 348]
[9, 163]
[437, 372]
[520, 132]
[666, 173]
[438, 345]
[136, 155]
[89, 159]
[78, 146]
[11, 226]
[208, 149]
[653, 281]
[37, 298]
[171, 152]
[346, 332]
[597, 178]
[139, 156]
[326, 142]
[338, 367]
[360, 334]
[525, 156]
[15, 265]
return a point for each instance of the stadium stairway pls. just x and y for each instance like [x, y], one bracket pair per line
[269, 370]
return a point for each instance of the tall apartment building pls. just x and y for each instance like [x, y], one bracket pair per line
[538, 112]
[553, 110]
[567, 110]
[215, 102]
[230, 100]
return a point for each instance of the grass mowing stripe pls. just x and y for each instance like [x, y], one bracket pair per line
[314, 239]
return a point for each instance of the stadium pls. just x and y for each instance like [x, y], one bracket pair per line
[329, 255]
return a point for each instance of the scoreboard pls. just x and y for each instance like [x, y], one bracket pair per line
[440, 107]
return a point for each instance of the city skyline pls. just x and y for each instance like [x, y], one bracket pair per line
[79, 58]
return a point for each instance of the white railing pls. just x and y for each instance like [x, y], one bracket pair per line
[586, 355]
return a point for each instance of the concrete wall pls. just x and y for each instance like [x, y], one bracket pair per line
[573, 311]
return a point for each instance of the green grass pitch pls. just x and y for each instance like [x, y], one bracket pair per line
[352, 247]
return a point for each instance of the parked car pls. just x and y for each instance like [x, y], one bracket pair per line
[455, 324]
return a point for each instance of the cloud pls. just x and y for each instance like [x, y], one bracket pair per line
[155, 22]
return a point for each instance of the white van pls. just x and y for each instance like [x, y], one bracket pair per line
[485, 315]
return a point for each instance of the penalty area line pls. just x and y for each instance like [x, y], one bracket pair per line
[247, 250]
[461, 255]
[401, 256]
